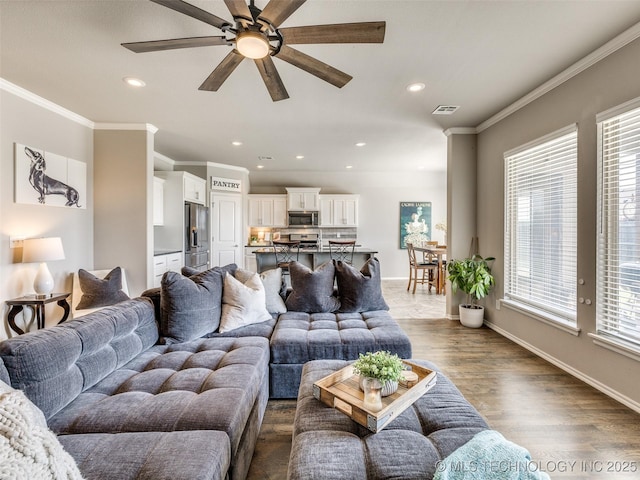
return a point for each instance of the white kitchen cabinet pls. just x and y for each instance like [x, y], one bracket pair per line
[170, 262]
[301, 199]
[158, 201]
[195, 189]
[339, 210]
[267, 210]
[250, 258]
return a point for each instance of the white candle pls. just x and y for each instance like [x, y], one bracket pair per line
[373, 401]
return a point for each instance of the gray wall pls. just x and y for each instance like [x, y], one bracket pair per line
[379, 207]
[123, 209]
[26, 123]
[611, 82]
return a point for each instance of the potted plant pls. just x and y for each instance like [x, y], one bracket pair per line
[382, 366]
[472, 276]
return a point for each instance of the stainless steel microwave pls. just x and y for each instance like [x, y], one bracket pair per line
[304, 219]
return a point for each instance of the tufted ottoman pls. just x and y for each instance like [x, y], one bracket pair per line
[329, 445]
[301, 337]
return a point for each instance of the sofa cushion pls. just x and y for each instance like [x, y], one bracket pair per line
[360, 291]
[190, 307]
[312, 290]
[205, 384]
[28, 448]
[242, 303]
[100, 292]
[154, 455]
[54, 365]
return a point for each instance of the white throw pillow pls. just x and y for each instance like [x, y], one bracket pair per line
[272, 281]
[242, 303]
[28, 449]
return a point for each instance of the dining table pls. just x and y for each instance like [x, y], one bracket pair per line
[440, 253]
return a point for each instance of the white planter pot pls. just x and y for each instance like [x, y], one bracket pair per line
[471, 316]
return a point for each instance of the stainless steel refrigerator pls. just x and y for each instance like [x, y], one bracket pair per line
[196, 245]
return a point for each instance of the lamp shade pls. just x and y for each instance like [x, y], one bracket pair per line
[42, 250]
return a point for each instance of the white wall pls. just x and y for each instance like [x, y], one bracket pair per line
[380, 197]
[29, 124]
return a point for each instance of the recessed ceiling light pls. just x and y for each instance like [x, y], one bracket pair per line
[260, 166]
[236, 143]
[299, 157]
[360, 144]
[349, 166]
[133, 82]
[415, 87]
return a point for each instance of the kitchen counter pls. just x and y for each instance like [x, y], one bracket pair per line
[165, 252]
[311, 257]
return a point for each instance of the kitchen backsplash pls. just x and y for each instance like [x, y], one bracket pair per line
[264, 236]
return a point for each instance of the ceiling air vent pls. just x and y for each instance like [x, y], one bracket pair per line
[445, 109]
[265, 158]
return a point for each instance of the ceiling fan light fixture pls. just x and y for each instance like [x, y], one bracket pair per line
[252, 45]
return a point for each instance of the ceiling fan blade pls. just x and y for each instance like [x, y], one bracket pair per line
[157, 45]
[238, 8]
[194, 12]
[314, 66]
[222, 72]
[363, 32]
[277, 11]
[271, 78]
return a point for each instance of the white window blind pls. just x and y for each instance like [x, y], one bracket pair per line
[618, 285]
[540, 232]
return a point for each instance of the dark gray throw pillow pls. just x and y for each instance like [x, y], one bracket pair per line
[190, 307]
[100, 292]
[360, 291]
[312, 290]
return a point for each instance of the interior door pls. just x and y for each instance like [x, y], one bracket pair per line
[226, 229]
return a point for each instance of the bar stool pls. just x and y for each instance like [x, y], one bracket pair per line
[285, 251]
[342, 250]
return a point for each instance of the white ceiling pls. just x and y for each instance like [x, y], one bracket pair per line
[480, 55]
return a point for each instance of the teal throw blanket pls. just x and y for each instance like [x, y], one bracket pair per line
[489, 456]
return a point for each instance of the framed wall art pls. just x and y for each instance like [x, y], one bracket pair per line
[415, 223]
[45, 178]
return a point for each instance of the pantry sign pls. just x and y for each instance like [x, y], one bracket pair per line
[226, 184]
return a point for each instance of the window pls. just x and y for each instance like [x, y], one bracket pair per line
[540, 231]
[618, 270]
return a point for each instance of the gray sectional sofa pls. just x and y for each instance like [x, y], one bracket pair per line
[132, 393]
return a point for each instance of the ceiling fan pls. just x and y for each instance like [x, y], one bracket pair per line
[255, 34]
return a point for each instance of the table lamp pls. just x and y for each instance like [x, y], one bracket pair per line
[42, 250]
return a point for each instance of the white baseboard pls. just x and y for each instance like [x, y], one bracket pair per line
[632, 404]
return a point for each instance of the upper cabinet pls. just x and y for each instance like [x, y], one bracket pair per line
[158, 201]
[300, 199]
[267, 210]
[339, 210]
[195, 189]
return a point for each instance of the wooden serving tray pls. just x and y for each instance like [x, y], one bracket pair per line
[341, 391]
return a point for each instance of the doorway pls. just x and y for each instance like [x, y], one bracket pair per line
[226, 229]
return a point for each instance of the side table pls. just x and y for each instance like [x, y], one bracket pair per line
[37, 305]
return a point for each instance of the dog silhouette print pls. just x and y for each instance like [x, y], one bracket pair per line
[45, 185]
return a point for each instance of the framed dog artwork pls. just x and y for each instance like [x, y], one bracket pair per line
[45, 178]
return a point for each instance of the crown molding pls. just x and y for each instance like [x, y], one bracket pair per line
[127, 126]
[228, 167]
[460, 131]
[44, 103]
[580, 66]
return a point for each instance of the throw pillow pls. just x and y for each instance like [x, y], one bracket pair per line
[100, 292]
[190, 306]
[242, 303]
[312, 290]
[360, 291]
[27, 447]
[273, 287]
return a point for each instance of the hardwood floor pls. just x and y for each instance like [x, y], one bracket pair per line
[571, 429]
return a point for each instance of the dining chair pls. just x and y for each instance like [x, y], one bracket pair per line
[342, 250]
[428, 269]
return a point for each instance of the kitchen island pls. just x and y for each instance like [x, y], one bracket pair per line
[311, 257]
